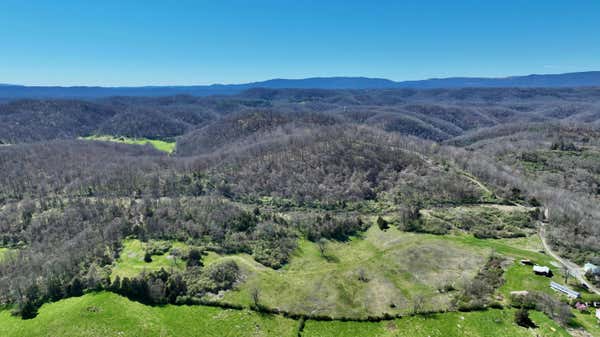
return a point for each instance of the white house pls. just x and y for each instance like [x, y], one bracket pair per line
[591, 267]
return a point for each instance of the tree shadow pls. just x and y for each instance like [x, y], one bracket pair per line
[331, 258]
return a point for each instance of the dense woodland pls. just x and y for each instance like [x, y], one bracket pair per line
[326, 158]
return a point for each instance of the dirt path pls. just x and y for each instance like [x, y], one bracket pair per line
[575, 270]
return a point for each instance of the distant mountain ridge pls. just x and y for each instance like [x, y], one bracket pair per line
[579, 79]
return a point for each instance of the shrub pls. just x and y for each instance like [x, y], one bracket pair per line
[194, 258]
[273, 243]
[329, 226]
[158, 247]
[219, 276]
[382, 224]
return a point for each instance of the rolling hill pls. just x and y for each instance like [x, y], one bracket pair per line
[580, 79]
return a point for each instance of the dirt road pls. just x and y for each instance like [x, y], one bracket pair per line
[575, 270]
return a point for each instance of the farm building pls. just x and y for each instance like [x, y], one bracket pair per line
[542, 270]
[565, 290]
[589, 267]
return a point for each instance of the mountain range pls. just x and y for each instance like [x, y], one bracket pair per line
[579, 79]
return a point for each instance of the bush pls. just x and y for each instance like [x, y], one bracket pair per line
[273, 243]
[158, 247]
[28, 307]
[552, 307]
[382, 224]
[331, 227]
[194, 258]
[216, 277]
[75, 288]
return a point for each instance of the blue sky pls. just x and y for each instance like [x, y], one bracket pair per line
[200, 42]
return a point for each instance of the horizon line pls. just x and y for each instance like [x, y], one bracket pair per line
[292, 79]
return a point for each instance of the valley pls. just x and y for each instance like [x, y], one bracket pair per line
[300, 213]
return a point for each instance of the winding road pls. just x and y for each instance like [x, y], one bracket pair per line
[574, 269]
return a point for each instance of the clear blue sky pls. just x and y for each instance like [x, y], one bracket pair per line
[109, 42]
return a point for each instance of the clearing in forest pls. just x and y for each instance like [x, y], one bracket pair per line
[377, 273]
[131, 259]
[160, 145]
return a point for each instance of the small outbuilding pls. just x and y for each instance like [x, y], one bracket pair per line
[542, 270]
[592, 268]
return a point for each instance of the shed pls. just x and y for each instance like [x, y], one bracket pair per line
[541, 270]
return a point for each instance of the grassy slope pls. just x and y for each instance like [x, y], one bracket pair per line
[106, 314]
[397, 264]
[131, 260]
[511, 218]
[3, 252]
[518, 277]
[490, 323]
[160, 145]
[588, 322]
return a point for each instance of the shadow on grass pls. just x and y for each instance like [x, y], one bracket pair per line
[331, 258]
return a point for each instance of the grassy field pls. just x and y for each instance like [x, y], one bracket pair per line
[395, 266]
[519, 277]
[131, 260]
[499, 220]
[491, 323]
[519, 248]
[160, 145]
[106, 314]
[587, 321]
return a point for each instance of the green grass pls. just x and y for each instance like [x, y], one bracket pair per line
[105, 314]
[398, 265]
[131, 260]
[499, 220]
[587, 321]
[160, 145]
[508, 247]
[519, 277]
[3, 253]
[489, 323]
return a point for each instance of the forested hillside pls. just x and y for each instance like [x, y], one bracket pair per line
[436, 114]
[312, 204]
